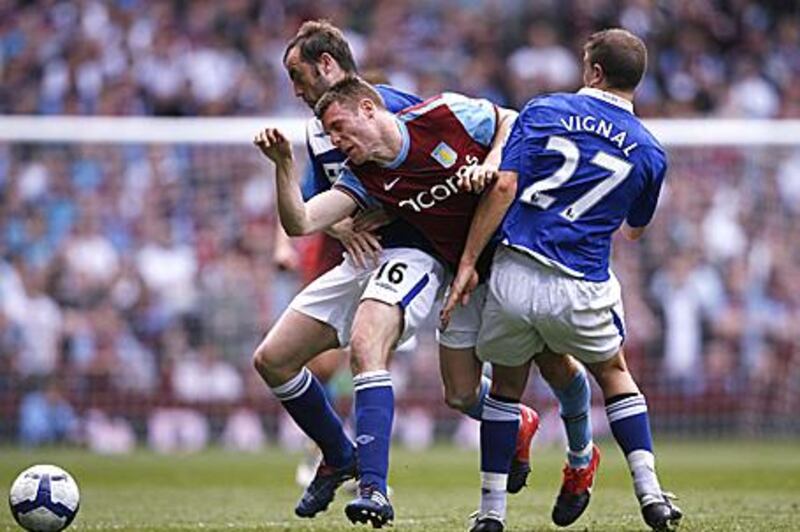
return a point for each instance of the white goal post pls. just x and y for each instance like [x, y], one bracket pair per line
[120, 130]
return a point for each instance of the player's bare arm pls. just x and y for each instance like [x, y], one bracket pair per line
[488, 216]
[363, 246]
[632, 233]
[284, 256]
[477, 177]
[297, 217]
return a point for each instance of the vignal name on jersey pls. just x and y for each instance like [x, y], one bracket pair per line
[600, 127]
[440, 191]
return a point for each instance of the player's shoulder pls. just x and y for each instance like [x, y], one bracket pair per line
[396, 99]
[318, 141]
[546, 105]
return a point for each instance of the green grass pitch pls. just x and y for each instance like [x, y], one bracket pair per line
[724, 486]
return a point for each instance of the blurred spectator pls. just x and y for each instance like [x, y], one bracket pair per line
[41, 321]
[204, 58]
[45, 417]
[689, 293]
[142, 277]
[203, 377]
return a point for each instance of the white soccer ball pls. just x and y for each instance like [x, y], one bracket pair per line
[44, 498]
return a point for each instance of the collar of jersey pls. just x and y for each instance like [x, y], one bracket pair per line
[608, 97]
[401, 126]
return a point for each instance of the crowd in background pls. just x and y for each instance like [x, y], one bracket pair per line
[144, 274]
[134, 57]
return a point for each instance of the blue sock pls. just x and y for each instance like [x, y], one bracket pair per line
[498, 441]
[374, 414]
[627, 415]
[630, 425]
[475, 411]
[304, 398]
[575, 403]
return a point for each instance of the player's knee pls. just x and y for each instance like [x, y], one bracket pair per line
[364, 352]
[613, 374]
[270, 365]
[460, 400]
[557, 370]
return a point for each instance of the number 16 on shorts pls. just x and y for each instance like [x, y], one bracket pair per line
[405, 275]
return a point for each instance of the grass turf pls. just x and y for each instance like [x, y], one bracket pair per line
[724, 486]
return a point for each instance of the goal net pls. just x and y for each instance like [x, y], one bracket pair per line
[137, 277]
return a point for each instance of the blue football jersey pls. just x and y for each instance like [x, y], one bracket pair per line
[585, 164]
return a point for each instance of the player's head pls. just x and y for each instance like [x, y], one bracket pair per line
[614, 59]
[353, 114]
[317, 57]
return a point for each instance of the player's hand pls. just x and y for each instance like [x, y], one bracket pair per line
[371, 219]
[284, 256]
[274, 145]
[460, 290]
[364, 247]
[476, 177]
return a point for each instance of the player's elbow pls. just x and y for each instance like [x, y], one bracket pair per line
[505, 186]
[632, 233]
[296, 228]
[295, 231]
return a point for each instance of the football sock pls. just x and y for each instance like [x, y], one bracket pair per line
[627, 414]
[575, 402]
[304, 398]
[475, 410]
[374, 400]
[498, 440]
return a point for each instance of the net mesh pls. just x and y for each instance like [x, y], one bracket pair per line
[136, 279]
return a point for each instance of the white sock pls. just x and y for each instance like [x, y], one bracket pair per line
[493, 493]
[580, 458]
[642, 464]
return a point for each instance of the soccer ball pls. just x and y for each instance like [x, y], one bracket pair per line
[44, 498]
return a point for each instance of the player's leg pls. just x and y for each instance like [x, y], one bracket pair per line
[499, 428]
[314, 323]
[569, 383]
[376, 329]
[399, 296]
[509, 342]
[466, 388]
[324, 366]
[320, 254]
[626, 409]
[590, 325]
[280, 360]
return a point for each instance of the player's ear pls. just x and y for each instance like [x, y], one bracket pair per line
[327, 63]
[367, 107]
[596, 75]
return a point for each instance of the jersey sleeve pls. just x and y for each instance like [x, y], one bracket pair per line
[512, 149]
[396, 100]
[352, 186]
[642, 210]
[519, 139]
[310, 185]
[478, 116]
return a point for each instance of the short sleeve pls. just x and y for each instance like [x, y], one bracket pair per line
[641, 212]
[513, 149]
[396, 100]
[478, 116]
[352, 186]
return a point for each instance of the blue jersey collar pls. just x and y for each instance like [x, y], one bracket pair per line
[608, 97]
[401, 157]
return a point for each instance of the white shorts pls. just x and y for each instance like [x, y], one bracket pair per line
[530, 306]
[465, 322]
[406, 277]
